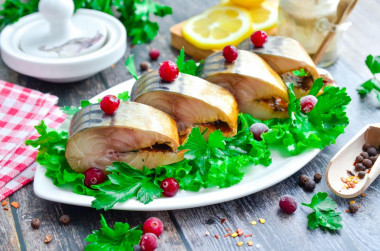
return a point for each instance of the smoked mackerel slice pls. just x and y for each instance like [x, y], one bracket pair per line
[137, 134]
[258, 90]
[191, 101]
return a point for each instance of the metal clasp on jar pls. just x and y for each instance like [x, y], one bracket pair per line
[324, 24]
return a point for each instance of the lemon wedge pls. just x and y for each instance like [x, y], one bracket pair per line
[265, 17]
[218, 27]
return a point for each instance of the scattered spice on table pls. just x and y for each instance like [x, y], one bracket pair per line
[261, 220]
[250, 243]
[5, 208]
[234, 235]
[353, 208]
[248, 235]
[216, 236]
[35, 223]
[364, 195]
[239, 231]
[4, 203]
[64, 219]
[15, 204]
[227, 229]
[223, 220]
[240, 243]
[48, 238]
[207, 233]
[317, 177]
[227, 235]
[253, 222]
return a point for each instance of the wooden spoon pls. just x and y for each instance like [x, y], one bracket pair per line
[345, 158]
[344, 9]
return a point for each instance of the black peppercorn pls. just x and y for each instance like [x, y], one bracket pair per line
[310, 185]
[359, 167]
[64, 219]
[373, 159]
[359, 159]
[366, 146]
[317, 177]
[372, 151]
[365, 155]
[367, 163]
[303, 179]
[144, 66]
[353, 208]
[361, 174]
[35, 223]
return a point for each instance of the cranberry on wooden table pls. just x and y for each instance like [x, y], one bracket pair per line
[148, 242]
[153, 225]
[154, 54]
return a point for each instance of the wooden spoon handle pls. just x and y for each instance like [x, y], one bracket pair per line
[342, 14]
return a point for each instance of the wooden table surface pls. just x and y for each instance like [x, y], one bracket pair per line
[185, 229]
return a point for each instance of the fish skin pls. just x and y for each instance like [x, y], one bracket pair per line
[250, 79]
[283, 54]
[97, 139]
[181, 97]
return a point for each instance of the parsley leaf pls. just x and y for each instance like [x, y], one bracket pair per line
[373, 84]
[324, 214]
[120, 238]
[125, 182]
[300, 73]
[189, 66]
[316, 129]
[134, 14]
[130, 64]
[123, 96]
[51, 154]
[70, 110]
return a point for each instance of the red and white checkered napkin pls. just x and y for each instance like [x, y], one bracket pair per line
[20, 110]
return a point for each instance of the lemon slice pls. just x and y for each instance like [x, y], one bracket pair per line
[247, 3]
[218, 27]
[264, 18]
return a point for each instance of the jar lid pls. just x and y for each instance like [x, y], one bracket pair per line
[59, 34]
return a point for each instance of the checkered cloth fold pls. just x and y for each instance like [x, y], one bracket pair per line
[20, 110]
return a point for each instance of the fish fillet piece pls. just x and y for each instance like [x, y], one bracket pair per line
[191, 101]
[137, 134]
[286, 55]
[258, 90]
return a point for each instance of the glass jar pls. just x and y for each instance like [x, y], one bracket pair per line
[309, 21]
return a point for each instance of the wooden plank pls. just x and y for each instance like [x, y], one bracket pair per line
[9, 239]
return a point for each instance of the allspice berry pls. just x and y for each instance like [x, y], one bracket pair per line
[317, 177]
[65, 219]
[35, 223]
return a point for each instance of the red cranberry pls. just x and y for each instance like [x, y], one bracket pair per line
[153, 225]
[288, 204]
[259, 38]
[257, 129]
[93, 176]
[148, 242]
[154, 54]
[230, 53]
[170, 187]
[307, 103]
[168, 71]
[109, 104]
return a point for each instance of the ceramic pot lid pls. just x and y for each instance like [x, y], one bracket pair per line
[60, 34]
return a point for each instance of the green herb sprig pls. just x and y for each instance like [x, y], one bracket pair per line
[188, 66]
[134, 14]
[324, 214]
[71, 110]
[121, 238]
[220, 162]
[373, 84]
